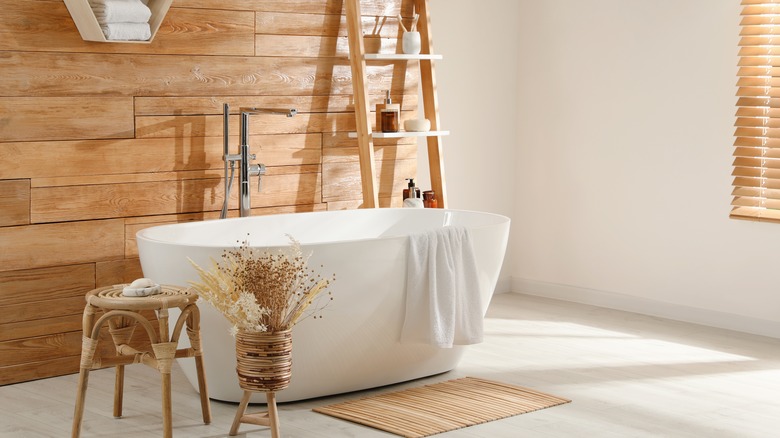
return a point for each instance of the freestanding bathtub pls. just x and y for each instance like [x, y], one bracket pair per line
[356, 344]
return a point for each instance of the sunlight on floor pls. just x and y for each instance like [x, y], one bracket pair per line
[600, 347]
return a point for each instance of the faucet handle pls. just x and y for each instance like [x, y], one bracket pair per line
[260, 169]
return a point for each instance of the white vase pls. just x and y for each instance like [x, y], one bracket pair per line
[411, 43]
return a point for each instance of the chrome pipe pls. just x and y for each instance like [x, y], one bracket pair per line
[244, 195]
[225, 153]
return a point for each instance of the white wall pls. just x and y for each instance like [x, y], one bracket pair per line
[477, 88]
[614, 161]
[622, 190]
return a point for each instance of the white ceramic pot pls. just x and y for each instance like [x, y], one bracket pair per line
[411, 44]
[417, 125]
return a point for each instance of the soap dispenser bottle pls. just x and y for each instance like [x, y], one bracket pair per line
[412, 196]
[412, 191]
[390, 115]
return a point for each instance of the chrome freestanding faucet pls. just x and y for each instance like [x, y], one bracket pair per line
[247, 169]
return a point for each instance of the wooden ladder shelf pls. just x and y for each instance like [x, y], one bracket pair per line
[363, 111]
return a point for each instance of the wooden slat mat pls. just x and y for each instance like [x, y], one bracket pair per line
[442, 407]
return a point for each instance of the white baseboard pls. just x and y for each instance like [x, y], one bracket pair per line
[646, 306]
[504, 285]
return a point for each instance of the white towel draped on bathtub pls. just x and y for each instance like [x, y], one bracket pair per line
[443, 299]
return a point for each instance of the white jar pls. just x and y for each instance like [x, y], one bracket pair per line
[411, 43]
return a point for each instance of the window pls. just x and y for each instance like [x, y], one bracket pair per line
[757, 145]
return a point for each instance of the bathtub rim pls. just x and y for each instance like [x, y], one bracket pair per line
[141, 234]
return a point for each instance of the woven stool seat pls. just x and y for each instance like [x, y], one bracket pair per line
[107, 305]
[111, 298]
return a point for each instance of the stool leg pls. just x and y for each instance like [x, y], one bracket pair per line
[240, 413]
[81, 395]
[88, 348]
[164, 352]
[121, 330]
[193, 333]
[166, 405]
[273, 414]
[119, 387]
[205, 406]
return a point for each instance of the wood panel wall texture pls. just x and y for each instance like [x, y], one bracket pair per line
[98, 141]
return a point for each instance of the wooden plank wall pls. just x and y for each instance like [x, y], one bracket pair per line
[98, 141]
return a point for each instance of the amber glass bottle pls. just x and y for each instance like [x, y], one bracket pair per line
[429, 199]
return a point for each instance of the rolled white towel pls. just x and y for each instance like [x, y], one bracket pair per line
[143, 287]
[127, 31]
[120, 11]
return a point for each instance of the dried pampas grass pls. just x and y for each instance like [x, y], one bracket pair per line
[260, 291]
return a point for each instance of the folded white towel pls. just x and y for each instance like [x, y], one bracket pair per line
[120, 11]
[127, 31]
[443, 296]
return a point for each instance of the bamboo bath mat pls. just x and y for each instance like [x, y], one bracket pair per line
[442, 407]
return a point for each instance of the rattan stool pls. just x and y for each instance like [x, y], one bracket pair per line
[122, 315]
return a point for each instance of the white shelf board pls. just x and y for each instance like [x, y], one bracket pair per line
[399, 57]
[402, 134]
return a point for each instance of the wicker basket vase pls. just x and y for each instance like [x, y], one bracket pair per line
[264, 360]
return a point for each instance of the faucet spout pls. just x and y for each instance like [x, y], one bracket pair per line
[280, 111]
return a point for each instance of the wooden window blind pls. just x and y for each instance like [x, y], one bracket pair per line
[757, 146]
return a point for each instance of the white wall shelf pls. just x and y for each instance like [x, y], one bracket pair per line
[403, 134]
[399, 57]
[89, 28]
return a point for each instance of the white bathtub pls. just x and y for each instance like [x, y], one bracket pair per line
[356, 345]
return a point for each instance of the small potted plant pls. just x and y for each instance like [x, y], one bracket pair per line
[263, 294]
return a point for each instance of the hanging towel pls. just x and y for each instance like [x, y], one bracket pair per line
[120, 11]
[443, 297]
[127, 31]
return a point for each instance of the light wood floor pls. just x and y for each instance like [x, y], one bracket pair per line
[628, 376]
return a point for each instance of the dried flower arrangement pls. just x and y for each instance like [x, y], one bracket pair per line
[259, 291]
